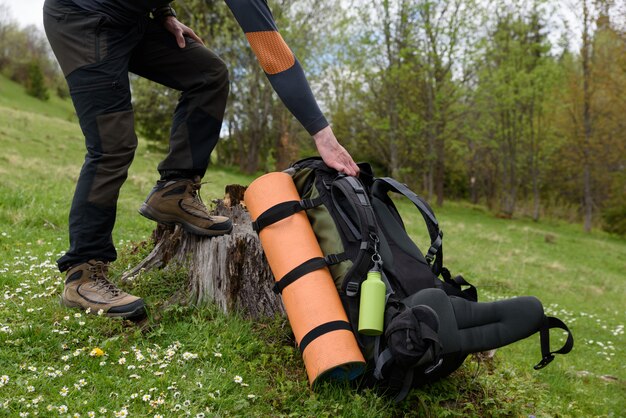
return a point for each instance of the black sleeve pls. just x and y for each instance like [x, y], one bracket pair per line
[280, 65]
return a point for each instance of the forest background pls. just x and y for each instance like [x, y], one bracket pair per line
[516, 105]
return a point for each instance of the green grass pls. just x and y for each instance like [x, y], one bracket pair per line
[196, 360]
[13, 96]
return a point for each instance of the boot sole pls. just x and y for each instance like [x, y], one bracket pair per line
[136, 315]
[154, 215]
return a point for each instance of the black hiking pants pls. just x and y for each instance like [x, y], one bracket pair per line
[96, 55]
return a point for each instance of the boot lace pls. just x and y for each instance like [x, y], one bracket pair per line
[99, 272]
[196, 200]
[195, 187]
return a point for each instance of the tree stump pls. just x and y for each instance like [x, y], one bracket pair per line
[229, 270]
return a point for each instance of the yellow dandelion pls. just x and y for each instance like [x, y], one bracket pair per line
[96, 352]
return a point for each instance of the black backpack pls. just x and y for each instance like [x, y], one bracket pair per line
[433, 320]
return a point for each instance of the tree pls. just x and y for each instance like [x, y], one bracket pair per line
[587, 116]
[35, 84]
[512, 92]
[448, 46]
[25, 56]
[610, 106]
[593, 158]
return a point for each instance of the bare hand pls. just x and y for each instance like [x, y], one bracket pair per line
[333, 154]
[173, 26]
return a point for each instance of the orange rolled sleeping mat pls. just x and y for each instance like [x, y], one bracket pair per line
[315, 312]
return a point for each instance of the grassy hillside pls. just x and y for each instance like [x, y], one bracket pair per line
[199, 362]
[12, 96]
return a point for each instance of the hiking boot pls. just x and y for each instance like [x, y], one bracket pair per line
[177, 202]
[86, 286]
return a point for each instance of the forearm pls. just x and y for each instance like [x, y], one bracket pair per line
[294, 91]
[278, 61]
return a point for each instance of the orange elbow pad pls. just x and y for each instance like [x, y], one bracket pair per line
[271, 50]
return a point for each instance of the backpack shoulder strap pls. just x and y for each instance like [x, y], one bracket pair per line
[383, 185]
[365, 229]
[394, 185]
[357, 196]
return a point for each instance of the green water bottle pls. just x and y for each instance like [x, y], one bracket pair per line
[372, 305]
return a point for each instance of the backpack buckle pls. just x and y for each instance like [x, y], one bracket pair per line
[307, 204]
[544, 362]
[352, 289]
[434, 248]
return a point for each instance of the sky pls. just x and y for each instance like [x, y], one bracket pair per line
[26, 12]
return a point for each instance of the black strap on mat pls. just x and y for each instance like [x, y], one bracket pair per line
[304, 268]
[321, 330]
[544, 334]
[281, 211]
[307, 267]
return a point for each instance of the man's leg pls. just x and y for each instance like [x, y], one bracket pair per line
[94, 56]
[202, 78]
[108, 126]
